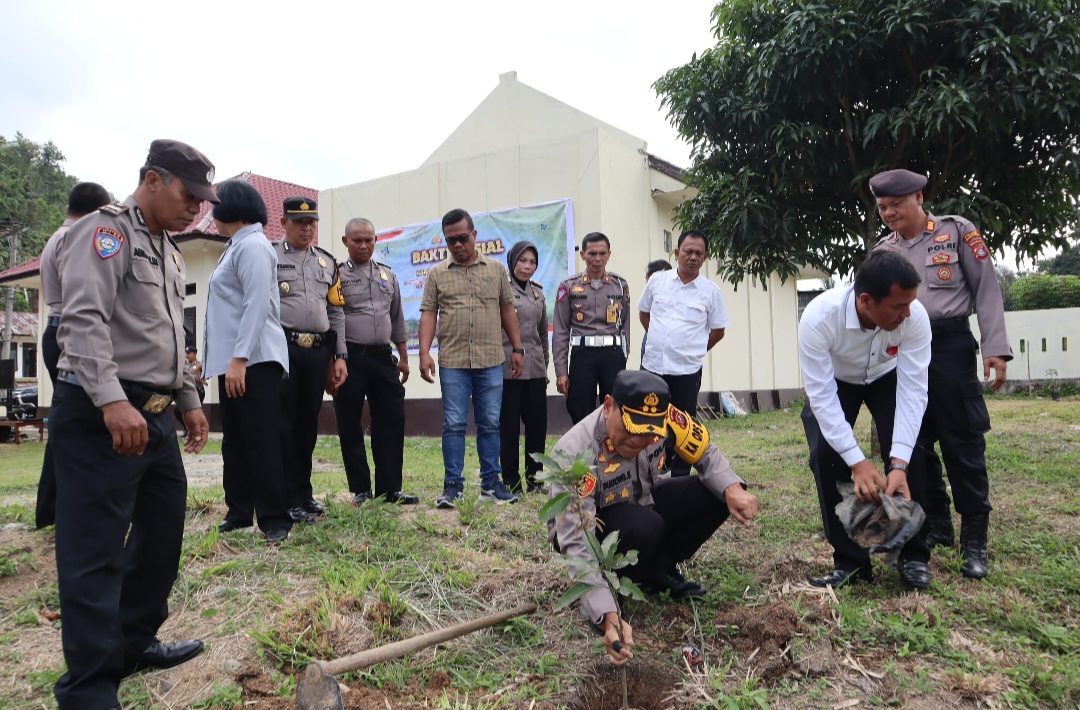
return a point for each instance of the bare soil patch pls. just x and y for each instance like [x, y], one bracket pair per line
[649, 686]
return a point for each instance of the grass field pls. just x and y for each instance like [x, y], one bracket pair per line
[365, 577]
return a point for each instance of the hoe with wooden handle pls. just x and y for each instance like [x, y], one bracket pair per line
[317, 689]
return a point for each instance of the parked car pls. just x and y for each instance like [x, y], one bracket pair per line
[23, 403]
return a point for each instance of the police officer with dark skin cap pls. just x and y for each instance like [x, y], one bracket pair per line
[958, 278]
[121, 486]
[665, 519]
[314, 324]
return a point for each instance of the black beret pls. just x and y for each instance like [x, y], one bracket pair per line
[894, 183]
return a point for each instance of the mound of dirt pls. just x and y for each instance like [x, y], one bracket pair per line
[764, 634]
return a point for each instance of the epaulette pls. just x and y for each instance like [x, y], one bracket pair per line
[537, 284]
[114, 208]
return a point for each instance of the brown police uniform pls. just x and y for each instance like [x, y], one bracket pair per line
[315, 330]
[120, 519]
[665, 519]
[957, 278]
[525, 398]
[590, 339]
[374, 323]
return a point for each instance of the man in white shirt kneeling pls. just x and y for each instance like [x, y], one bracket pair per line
[867, 344]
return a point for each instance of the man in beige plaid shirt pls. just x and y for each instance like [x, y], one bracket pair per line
[468, 296]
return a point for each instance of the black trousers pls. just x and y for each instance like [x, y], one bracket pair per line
[45, 513]
[956, 416]
[684, 391]
[301, 402]
[591, 370]
[251, 450]
[120, 526]
[524, 402]
[829, 468]
[372, 376]
[684, 515]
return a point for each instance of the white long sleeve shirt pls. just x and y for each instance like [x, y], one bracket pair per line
[833, 346]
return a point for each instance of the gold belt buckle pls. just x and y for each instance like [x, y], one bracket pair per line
[305, 340]
[157, 403]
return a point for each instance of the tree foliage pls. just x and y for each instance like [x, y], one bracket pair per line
[1065, 263]
[801, 101]
[33, 193]
[1040, 291]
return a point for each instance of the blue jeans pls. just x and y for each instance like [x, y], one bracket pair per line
[484, 386]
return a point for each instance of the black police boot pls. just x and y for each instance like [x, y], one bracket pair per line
[973, 545]
[941, 530]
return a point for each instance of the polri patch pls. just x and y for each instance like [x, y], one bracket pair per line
[587, 485]
[941, 238]
[107, 242]
[944, 273]
[942, 258]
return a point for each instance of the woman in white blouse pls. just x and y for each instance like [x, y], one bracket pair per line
[245, 349]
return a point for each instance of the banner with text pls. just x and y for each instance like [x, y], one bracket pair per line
[411, 251]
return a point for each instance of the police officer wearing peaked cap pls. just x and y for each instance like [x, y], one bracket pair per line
[665, 519]
[121, 486]
[958, 277]
[314, 324]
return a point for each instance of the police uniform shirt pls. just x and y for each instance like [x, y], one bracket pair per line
[833, 345]
[304, 280]
[531, 309]
[50, 267]
[585, 306]
[124, 307]
[958, 277]
[613, 480]
[372, 304]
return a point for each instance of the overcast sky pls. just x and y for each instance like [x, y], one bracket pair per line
[319, 93]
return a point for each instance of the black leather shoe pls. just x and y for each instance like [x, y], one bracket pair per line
[839, 577]
[678, 588]
[973, 529]
[402, 498]
[314, 508]
[361, 497]
[299, 515]
[277, 536]
[915, 574]
[230, 525]
[164, 655]
[941, 531]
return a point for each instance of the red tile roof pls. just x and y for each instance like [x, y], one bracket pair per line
[21, 323]
[273, 193]
[27, 268]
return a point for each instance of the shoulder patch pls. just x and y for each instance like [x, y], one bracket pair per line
[115, 209]
[107, 241]
[561, 293]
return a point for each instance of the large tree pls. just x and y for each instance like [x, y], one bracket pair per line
[1065, 263]
[801, 101]
[33, 194]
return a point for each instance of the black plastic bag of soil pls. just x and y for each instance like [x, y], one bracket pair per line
[880, 529]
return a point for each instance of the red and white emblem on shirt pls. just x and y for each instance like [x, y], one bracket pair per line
[944, 273]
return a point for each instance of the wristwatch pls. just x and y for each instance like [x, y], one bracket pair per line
[898, 467]
[341, 356]
[519, 351]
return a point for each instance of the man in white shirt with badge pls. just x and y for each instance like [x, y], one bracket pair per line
[690, 320]
[867, 344]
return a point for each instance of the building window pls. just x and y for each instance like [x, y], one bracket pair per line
[189, 289]
[29, 363]
[667, 242]
[189, 326]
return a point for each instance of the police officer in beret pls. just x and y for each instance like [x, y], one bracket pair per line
[314, 326]
[958, 278]
[121, 486]
[374, 327]
[591, 336]
[665, 519]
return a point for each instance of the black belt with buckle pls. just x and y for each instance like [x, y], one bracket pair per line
[305, 340]
[148, 399]
[950, 326]
[53, 322]
[368, 349]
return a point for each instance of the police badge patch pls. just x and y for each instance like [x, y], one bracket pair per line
[107, 242]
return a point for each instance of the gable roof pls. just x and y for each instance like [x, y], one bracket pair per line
[515, 113]
[273, 193]
[22, 324]
[20, 271]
